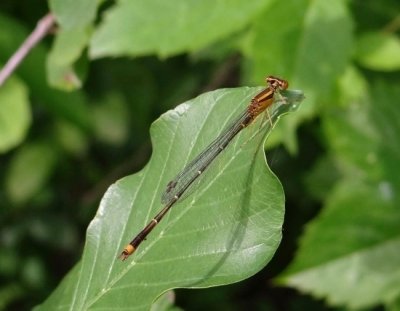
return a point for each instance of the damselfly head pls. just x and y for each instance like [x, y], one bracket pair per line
[277, 83]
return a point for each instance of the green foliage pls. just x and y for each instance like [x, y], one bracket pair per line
[169, 27]
[379, 51]
[318, 32]
[241, 212]
[71, 14]
[67, 49]
[362, 212]
[70, 127]
[32, 72]
[15, 114]
[23, 180]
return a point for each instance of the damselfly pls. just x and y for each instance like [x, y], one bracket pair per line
[183, 181]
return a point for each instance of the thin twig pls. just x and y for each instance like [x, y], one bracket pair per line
[43, 27]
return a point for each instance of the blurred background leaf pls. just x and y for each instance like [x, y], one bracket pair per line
[69, 106]
[379, 51]
[355, 240]
[66, 51]
[71, 14]
[29, 170]
[168, 28]
[118, 66]
[15, 114]
[239, 201]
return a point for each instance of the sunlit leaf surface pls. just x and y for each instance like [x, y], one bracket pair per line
[168, 27]
[225, 230]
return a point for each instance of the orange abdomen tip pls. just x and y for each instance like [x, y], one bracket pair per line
[128, 250]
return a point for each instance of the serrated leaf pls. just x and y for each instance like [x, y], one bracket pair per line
[224, 231]
[349, 254]
[166, 28]
[15, 114]
[379, 51]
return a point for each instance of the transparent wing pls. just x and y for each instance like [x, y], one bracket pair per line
[198, 165]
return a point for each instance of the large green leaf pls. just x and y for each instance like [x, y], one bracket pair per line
[165, 28]
[225, 231]
[350, 253]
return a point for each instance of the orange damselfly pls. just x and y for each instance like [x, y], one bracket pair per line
[183, 180]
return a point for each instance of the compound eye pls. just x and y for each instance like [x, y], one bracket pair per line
[276, 83]
[284, 84]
